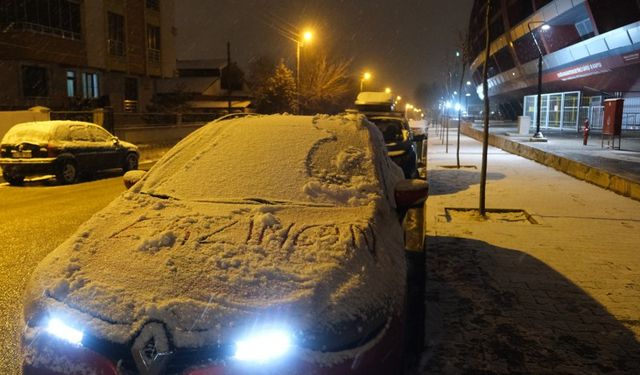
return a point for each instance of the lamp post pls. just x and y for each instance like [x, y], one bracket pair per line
[365, 77]
[538, 135]
[306, 37]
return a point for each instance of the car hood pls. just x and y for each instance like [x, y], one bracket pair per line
[206, 269]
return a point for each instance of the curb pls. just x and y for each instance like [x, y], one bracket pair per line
[581, 171]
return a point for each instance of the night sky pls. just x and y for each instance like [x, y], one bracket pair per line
[401, 42]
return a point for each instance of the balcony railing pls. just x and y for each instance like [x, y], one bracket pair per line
[40, 29]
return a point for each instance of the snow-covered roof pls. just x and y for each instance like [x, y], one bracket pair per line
[368, 97]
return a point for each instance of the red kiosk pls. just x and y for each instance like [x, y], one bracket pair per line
[612, 124]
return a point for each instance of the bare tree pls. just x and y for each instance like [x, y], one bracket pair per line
[464, 52]
[326, 85]
[485, 91]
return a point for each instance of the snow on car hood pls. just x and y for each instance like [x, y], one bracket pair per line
[205, 269]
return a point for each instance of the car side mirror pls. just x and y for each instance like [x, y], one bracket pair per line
[115, 140]
[411, 193]
[132, 177]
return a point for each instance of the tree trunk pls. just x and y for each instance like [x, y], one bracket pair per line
[485, 90]
[459, 110]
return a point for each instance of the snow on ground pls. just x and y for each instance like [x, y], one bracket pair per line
[213, 235]
[561, 296]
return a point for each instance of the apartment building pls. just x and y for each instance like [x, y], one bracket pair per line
[83, 54]
[590, 51]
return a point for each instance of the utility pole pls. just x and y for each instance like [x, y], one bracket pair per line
[229, 77]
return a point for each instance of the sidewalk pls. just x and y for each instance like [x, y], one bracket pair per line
[613, 169]
[506, 295]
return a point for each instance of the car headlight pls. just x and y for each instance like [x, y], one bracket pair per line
[263, 346]
[60, 329]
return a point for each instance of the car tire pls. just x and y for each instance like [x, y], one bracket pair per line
[130, 162]
[13, 180]
[67, 172]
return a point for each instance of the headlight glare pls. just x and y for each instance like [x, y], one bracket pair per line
[58, 328]
[262, 347]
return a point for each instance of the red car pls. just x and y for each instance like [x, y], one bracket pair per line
[267, 244]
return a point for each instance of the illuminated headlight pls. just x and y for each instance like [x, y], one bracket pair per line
[58, 328]
[263, 347]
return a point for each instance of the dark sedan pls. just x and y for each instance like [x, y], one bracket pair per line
[399, 141]
[62, 148]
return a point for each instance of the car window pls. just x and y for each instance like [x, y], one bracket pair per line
[78, 132]
[62, 132]
[28, 132]
[99, 135]
[391, 129]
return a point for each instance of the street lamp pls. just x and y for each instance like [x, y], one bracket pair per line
[538, 135]
[387, 90]
[306, 37]
[365, 77]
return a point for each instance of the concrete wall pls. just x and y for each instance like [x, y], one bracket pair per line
[10, 118]
[159, 135]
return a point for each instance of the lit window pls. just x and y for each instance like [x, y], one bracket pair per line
[71, 83]
[90, 88]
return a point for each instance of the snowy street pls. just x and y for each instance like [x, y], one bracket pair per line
[35, 219]
[553, 292]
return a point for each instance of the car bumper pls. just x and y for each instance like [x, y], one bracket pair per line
[383, 354]
[27, 167]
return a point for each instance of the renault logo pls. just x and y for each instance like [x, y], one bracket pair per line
[151, 349]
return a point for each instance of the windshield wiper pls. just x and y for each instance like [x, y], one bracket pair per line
[260, 200]
[160, 196]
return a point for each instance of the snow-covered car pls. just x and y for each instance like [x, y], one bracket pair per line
[265, 244]
[62, 148]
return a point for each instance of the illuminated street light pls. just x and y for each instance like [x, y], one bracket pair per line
[387, 90]
[468, 83]
[538, 135]
[365, 77]
[306, 37]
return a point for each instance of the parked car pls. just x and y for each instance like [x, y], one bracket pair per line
[399, 141]
[62, 148]
[281, 256]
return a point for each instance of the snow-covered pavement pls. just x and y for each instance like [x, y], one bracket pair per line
[510, 296]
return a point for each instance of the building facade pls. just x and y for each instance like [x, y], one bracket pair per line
[590, 51]
[83, 54]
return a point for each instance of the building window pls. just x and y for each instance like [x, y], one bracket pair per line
[90, 85]
[35, 81]
[71, 83]
[116, 34]
[54, 17]
[585, 29]
[504, 59]
[153, 43]
[153, 4]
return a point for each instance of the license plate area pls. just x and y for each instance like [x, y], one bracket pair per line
[21, 154]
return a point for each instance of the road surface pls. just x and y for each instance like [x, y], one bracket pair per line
[34, 219]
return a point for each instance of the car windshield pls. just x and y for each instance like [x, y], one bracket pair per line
[32, 132]
[276, 159]
[391, 129]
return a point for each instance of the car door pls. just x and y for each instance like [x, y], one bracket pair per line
[81, 146]
[107, 148]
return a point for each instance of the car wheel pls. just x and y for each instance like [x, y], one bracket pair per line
[67, 172]
[13, 180]
[130, 162]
